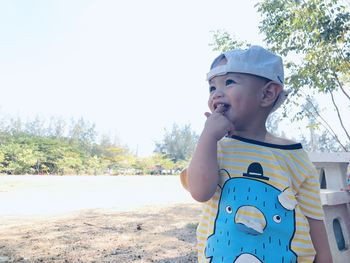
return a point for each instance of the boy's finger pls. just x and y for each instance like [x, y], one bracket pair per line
[207, 114]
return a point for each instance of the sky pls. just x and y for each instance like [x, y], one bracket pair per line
[131, 67]
[134, 68]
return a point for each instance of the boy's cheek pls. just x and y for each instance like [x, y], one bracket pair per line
[210, 105]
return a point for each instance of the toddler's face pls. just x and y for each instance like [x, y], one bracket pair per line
[239, 94]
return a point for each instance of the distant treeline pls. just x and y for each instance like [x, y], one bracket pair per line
[59, 147]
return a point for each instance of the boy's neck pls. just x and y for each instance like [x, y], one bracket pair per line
[257, 135]
[255, 129]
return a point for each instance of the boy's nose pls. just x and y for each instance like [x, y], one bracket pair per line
[218, 94]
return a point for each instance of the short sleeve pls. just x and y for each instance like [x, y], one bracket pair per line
[308, 195]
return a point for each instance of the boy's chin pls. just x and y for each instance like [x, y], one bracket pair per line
[229, 115]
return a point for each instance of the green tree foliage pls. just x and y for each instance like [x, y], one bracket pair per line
[177, 144]
[314, 37]
[32, 148]
[82, 133]
[38, 147]
[155, 164]
[18, 158]
[223, 41]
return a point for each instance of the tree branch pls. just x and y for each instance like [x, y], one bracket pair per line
[324, 123]
[326, 128]
[339, 117]
[340, 85]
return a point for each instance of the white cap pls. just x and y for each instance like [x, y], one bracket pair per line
[256, 61]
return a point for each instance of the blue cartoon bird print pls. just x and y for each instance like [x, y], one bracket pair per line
[255, 221]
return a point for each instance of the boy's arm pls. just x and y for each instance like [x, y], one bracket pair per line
[320, 241]
[203, 169]
[184, 178]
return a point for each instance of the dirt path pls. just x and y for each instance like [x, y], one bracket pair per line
[157, 234]
[151, 227]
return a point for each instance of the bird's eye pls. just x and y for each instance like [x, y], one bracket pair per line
[211, 89]
[229, 209]
[277, 219]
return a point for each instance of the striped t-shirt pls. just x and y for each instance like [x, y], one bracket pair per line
[259, 209]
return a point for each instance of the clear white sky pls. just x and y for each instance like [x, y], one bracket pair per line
[132, 67]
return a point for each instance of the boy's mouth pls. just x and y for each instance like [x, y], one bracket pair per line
[224, 106]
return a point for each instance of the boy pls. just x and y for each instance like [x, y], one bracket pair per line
[260, 193]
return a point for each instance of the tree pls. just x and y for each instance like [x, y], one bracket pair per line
[223, 41]
[319, 140]
[160, 163]
[71, 162]
[35, 127]
[314, 38]
[177, 144]
[15, 126]
[18, 157]
[33, 147]
[57, 128]
[83, 133]
[118, 157]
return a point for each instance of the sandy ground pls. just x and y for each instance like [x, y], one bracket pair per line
[96, 219]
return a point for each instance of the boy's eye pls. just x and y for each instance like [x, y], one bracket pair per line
[211, 89]
[229, 82]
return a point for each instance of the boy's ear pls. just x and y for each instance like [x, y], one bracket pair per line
[270, 93]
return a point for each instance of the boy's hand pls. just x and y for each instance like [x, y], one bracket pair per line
[217, 124]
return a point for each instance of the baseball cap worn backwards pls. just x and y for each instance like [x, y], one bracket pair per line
[256, 61]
